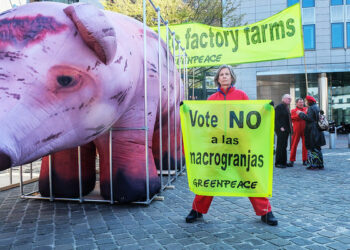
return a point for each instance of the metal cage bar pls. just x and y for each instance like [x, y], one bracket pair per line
[168, 92]
[21, 179]
[146, 95]
[160, 102]
[80, 177]
[111, 165]
[175, 107]
[50, 178]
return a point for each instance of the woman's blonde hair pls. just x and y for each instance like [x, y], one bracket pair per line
[233, 76]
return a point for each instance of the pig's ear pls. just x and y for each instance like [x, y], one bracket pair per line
[95, 29]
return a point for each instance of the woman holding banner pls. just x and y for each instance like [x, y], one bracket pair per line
[225, 79]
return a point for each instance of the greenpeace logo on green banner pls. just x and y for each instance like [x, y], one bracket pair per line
[277, 37]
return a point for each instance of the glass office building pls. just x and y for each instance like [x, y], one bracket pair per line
[326, 28]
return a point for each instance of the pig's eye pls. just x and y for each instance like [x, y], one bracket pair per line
[65, 81]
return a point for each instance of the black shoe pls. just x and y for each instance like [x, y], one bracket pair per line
[269, 219]
[321, 167]
[290, 164]
[304, 163]
[193, 216]
[280, 166]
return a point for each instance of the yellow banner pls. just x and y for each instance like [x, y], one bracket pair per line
[229, 147]
[277, 37]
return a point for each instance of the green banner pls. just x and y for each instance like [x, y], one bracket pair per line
[229, 147]
[277, 37]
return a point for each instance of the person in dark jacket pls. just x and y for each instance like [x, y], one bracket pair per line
[314, 137]
[283, 127]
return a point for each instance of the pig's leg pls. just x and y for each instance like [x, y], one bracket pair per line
[65, 172]
[168, 119]
[129, 173]
[156, 142]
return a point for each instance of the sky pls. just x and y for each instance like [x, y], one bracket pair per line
[6, 4]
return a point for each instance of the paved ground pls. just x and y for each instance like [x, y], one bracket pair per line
[313, 209]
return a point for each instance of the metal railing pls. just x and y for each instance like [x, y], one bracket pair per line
[183, 83]
[11, 177]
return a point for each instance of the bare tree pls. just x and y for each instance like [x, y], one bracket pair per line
[209, 12]
[212, 12]
[175, 11]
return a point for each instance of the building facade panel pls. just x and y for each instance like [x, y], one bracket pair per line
[328, 27]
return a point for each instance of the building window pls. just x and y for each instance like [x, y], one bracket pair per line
[341, 100]
[292, 2]
[337, 35]
[337, 2]
[348, 100]
[309, 36]
[308, 15]
[348, 34]
[308, 3]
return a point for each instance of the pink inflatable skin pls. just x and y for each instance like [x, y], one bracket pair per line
[68, 73]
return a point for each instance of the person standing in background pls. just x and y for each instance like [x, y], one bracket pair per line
[314, 137]
[298, 132]
[283, 127]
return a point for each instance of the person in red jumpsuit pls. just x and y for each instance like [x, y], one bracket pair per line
[225, 79]
[298, 132]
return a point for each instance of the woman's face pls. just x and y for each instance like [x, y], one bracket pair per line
[225, 77]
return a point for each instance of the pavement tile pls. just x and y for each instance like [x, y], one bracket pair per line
[266, 236]
[301, 242]
[255, 242]
[321, 240]
[166, 241]
[130, 247]
[308, 218]
[64, 241]
[316, 247]
[22, 247]
[104, 242]
[343, 239]
[174, 246]
[197, 246]
[43, 248]
[219, 246]
[328, 234]
[65, 246]
[86, 247]
[279, 242]
[146, 242]
[338, 246]
[152, 247]
[125, 241]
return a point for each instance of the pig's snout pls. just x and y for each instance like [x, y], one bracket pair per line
[5, 161]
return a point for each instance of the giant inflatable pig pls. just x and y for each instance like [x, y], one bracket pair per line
[68, 73]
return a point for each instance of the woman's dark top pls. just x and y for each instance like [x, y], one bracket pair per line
[313, 136]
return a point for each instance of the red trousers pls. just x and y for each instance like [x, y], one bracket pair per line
[261, 205]
[297, 134]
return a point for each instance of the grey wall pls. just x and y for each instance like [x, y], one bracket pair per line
[322, 59]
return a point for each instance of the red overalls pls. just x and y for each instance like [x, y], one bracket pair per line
[202, 203]
[298, 131]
